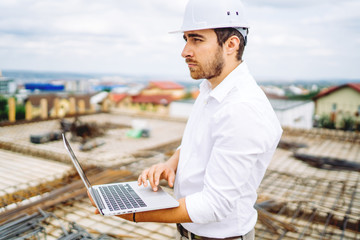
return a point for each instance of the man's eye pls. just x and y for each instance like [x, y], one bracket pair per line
[197, 40]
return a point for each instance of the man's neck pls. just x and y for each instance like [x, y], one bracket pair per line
[226, 71]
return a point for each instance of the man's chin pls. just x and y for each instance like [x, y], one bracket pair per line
[195, 76]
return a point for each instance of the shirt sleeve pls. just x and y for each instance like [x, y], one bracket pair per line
[239, 136]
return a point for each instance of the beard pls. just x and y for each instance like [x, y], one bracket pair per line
[210, 69]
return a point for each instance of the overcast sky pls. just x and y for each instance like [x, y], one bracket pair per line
[288, 40]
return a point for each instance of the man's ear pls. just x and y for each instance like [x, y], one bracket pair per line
[232, 45]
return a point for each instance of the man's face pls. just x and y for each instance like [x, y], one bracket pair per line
[203, 54]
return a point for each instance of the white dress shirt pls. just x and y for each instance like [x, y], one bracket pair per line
[229, 140]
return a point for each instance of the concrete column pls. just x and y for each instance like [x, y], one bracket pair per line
[56, 107]
[12, 109]
[81, 106]
[28, 111]
[44, 108]
[105, 105]
[72, 110]
[92, 108]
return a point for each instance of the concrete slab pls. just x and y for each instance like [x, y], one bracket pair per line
[117, 150]
[20, 171]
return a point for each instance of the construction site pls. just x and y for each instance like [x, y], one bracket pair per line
[310, 191]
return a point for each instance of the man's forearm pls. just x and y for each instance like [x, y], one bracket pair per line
[174, 160]
[171, 215]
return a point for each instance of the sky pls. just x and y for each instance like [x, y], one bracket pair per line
[288, 40]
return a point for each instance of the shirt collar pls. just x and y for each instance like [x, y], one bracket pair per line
[232, 80]
[205, 86]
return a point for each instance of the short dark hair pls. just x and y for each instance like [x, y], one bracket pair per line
[224, 34]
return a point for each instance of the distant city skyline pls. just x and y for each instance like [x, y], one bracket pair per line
[296, 40]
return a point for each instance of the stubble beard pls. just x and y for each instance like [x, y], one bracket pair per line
[211, 69]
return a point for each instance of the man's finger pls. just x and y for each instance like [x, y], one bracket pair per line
[171, 179]
[91, 200]
[143, 178]
[151, 178]
[157, 176]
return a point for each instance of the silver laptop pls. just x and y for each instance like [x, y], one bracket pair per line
[122, 198]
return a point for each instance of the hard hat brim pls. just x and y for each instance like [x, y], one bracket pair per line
[182, 30]
[196, 29]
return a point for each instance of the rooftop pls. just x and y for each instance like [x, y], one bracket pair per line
[297, 199]
[166, 85]
[355, 86]
[155, 99]
[285, 104]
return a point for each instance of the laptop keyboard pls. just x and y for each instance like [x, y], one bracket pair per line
[121, 197]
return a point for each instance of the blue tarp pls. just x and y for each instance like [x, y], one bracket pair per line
[44, 87]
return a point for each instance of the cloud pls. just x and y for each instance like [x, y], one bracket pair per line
[323, 52]
[132, 36]
[295, 4]
[50, 30]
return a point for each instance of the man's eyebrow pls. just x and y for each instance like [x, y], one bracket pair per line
[193, 35]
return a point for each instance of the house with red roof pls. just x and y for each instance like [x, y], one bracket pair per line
[152, 99]
[120, 100]
[173, 89]
[152, 103]
[341, 104]
[141, 103]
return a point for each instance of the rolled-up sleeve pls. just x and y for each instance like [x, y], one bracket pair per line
[240, 135]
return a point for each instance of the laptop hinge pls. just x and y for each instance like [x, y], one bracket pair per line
[97, 199]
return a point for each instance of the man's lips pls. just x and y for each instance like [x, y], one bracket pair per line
[190, 63]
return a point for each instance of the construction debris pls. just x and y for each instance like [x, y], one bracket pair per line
[82, 130]
[290, 145]
[45, 137]
[87, 146]
[25, 227]
[86, 132]
[76, 232]
[34, 227]
[140, 128]
[328, 162]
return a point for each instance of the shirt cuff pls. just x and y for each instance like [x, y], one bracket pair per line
[198, 209]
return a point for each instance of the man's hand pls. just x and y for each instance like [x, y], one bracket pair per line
[92, 203]
[155, 173]
[128, 217]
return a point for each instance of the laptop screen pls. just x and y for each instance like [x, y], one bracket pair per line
[76, 163]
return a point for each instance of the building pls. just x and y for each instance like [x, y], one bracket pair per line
[80, 85]
[175, 90]
[152, 103]
[291, 113]
[7, 85]
[120, 100]
[339, 104]
[82, 104]
[294, 113]
[181, 108]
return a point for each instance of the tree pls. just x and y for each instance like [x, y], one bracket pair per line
[3, 108]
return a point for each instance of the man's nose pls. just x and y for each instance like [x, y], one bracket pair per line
[187, 52]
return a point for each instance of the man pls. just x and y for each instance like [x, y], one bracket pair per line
[230, 136]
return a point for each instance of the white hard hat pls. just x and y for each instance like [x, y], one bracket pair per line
[210, 14]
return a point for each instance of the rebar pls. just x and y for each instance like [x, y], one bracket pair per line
[315, 206]
[24, 227]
